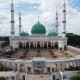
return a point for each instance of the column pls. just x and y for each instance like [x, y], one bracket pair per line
[51, 45]
[0, 46]
[36, 45]
[47, 45]
[45, 69]
[61, 66]
[64, 65]
[29, 45]
[56, 66]
[43, 45]
[26, 69]
[32, 70]
[51, 69]
[18, 67]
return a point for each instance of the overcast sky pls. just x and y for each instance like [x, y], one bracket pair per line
[45, 9]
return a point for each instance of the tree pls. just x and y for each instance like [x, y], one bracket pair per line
[2, 78]
[77, 77]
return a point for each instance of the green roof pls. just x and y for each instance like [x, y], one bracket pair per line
[23, 33]
[38, 28]
[53, 34]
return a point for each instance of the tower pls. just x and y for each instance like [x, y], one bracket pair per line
[12, 20]
[56, 21]
[64, 20]
[20, 22]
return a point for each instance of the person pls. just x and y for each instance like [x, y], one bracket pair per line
[41, 76]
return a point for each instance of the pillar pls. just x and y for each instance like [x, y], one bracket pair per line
[32, 70]
[51, 69]
[0, 46]
[18, 67]
[56, 66]
[36, 45]
[47, 44]
[29, 45]
[45, 69]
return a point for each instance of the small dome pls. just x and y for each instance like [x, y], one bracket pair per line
[53, 34]
[38, 28]
[23, 33]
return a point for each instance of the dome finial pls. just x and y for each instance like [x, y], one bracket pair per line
[38, 18]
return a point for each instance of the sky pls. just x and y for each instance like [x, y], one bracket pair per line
[45, 9]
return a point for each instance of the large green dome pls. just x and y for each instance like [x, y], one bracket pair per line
[53, 34]
[38, 28]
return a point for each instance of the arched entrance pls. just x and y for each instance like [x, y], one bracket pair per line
[38, 45]
[56, 45]
[48, 69]
[31, 45]
[29, 69]
[10, 66]
[22, 68]
[49, 45]
[15, 67]
[53, 45]
[45, 45]
[38, 68]
[27, 45]
[20, 45]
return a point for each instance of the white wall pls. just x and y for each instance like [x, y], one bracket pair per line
[68, 74]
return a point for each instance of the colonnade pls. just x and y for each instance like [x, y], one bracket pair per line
[35, 45]
[47, 69]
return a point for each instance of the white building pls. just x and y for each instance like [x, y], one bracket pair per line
[38, 39]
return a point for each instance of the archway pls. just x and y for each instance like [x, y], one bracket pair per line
[53, 45]
[29, 69]
[45, 45]
[22, 68]
[56, 45]
[38, 45]
[49, 45]
[10, 66]
[53, 69]
[1, 65]
[5, 64]
[38, 68]
[27, 45]
[20, 45]
[15, 67]
[31, 45]
[48, 69]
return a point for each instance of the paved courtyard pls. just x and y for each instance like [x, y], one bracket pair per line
[45, 53]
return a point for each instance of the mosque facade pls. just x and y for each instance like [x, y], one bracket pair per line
[38, 37]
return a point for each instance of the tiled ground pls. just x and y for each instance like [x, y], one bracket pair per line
[45, 53]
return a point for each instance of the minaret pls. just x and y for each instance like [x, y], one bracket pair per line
[64, 20]
[56, 21]
[12, 20]
[20, 22]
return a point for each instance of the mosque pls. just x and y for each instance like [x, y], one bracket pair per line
[38, 38]
[45, 68]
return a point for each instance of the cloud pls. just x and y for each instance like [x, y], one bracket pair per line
[46, 9]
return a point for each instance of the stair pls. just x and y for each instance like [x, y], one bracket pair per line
[38, 77]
